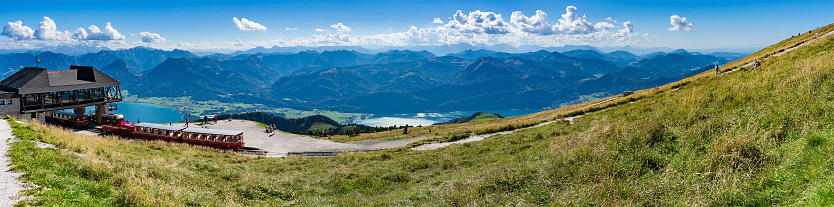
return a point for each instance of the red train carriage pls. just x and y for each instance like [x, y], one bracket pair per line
[157, 131]
[219, 138]
[115, 123]
[66, 118]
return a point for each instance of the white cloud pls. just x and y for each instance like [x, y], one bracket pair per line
[478, 22]
[328, 39]
[627, 28]
[148, 37]
[94, 33]
[47, 30]
[536, 24]
[679, 23]
[245, 24]
[17, 31]
[237, 43]
[603, 25]
[437, 21]
[473, 28]
[340, 27]
[570, 23]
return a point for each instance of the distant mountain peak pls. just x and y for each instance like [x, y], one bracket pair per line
[680, 51]
[487, 69]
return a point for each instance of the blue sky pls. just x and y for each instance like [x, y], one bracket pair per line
[209, 25]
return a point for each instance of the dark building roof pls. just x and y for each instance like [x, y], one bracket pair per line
[39, 80]
[6, 95]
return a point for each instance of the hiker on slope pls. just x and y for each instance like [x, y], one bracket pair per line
[755, 64]
[717, 71]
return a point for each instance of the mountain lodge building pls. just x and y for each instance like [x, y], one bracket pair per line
[33, 91]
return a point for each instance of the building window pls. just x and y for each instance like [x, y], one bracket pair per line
[10, 101]
[2, 102]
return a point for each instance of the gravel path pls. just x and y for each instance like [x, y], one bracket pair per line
[278, 144]
[10, 187]
[750, 64]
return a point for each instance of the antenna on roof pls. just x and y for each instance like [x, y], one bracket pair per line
[37, 61]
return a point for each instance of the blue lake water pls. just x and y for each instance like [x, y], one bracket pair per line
[146, 113]
[426, 119]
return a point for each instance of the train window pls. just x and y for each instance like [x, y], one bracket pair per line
[2, 102]
[10, 101]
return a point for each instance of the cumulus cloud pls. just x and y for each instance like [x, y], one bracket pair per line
[321, 30]
[17, 31]
[245, 24]
[437, 21]
[536, 24]
[627, 28]
[489, 28]
[291, 29]
[148, 37]
[94, 33]
[328, 39]
[478, 22]
[340, 27]
[47, 30]
[570, 23]
[679, 23]
[603, 25]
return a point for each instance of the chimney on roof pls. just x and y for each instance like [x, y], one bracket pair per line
[85, 73]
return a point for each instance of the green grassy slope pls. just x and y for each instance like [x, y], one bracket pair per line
[760, 138]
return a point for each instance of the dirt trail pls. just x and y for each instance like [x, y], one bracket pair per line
[783, 52]
[10, 186]
[475, 138]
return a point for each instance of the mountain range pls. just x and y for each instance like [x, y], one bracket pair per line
[394, 81]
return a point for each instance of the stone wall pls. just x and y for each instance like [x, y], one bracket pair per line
[12, 109]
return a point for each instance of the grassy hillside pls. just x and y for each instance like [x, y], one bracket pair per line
[742, 138]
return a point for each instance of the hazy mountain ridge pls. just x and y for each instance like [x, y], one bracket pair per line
[354, 81]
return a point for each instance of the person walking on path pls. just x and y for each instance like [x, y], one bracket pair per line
[717, 71]
[755, 64]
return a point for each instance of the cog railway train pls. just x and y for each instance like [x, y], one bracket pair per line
[115, 123]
